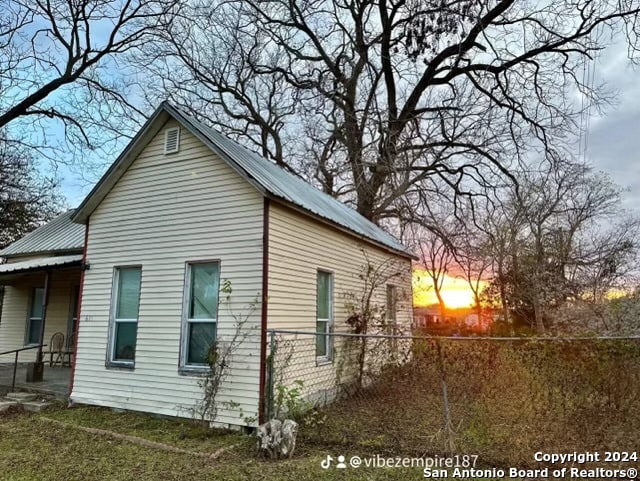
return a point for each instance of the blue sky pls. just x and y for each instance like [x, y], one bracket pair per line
[613, 138]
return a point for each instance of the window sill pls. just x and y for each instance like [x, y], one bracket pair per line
[120, 366]
[193, 371]
[323, 361]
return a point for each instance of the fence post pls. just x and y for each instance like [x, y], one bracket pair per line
[448, 425]
[269, 375]
[15, 368]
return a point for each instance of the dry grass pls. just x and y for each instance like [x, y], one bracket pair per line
[507, 401]
[34, 449]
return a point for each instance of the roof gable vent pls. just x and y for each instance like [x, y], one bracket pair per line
[172, 140]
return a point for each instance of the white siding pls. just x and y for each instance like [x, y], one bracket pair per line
[13, 320]
[298, 247]
[167, 210]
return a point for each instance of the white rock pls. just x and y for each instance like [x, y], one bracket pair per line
[277, 439]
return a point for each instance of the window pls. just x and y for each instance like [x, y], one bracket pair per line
[324, 314]
[200, 313]
[73, 317]
[125, 314]
[34, 322]
[391, 316]
[392, 304]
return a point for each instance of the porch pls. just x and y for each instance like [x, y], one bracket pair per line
[39, 306]
[55, 382]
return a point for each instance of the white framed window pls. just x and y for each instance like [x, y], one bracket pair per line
[392, 316]
[199, 313]
[73, 317]
[34, 320]
[392, 304]
[125, 305]
[324, 314]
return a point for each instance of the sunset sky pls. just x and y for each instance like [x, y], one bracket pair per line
[455, 291]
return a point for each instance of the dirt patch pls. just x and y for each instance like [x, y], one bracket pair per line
[141, 441]
[12, 412]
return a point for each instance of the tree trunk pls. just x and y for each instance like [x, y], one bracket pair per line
[478, 310]
[503, 301]
[443, 307]
[537, 312]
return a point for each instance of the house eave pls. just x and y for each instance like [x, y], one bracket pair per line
[15, 270]
[58, 252]
[117, 169]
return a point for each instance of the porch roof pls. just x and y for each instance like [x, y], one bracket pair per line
[36, 264]
[59, 235]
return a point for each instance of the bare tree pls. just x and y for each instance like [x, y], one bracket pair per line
[389, 104]
[565, 240]
[473, 261]
[27, 198]
[608, 259]
[435, 247]
[499, 224]
[63, 82]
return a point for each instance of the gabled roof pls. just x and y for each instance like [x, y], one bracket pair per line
[57, 236]
[269, 179]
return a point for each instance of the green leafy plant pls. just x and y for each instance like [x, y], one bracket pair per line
[220, 356]
[290, 403]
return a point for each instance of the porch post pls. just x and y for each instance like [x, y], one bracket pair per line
[45, 302]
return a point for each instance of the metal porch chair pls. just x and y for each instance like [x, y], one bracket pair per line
[56, 347]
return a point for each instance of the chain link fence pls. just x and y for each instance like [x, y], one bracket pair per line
[502, 399]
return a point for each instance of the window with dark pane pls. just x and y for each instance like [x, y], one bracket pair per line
[128, 293]
[127, 304]
[202, 335]
[392, 303]
[201, 312]
[324, 313]
[35, 316]
[203, 302]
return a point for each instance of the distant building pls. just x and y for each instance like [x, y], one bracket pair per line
[426, 316]
[430, 320]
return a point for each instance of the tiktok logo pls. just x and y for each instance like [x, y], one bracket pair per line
[326, 464]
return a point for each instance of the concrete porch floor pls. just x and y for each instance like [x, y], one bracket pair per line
[55, 380]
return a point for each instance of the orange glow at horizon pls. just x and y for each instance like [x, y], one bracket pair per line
[455, 292]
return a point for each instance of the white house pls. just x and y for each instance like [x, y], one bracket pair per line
[182, 211]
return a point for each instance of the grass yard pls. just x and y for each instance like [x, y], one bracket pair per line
[34, 448]
[506, 403]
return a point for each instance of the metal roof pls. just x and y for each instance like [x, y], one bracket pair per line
[286, 186]
[58, 235]
[32, 264]
[269, 179]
